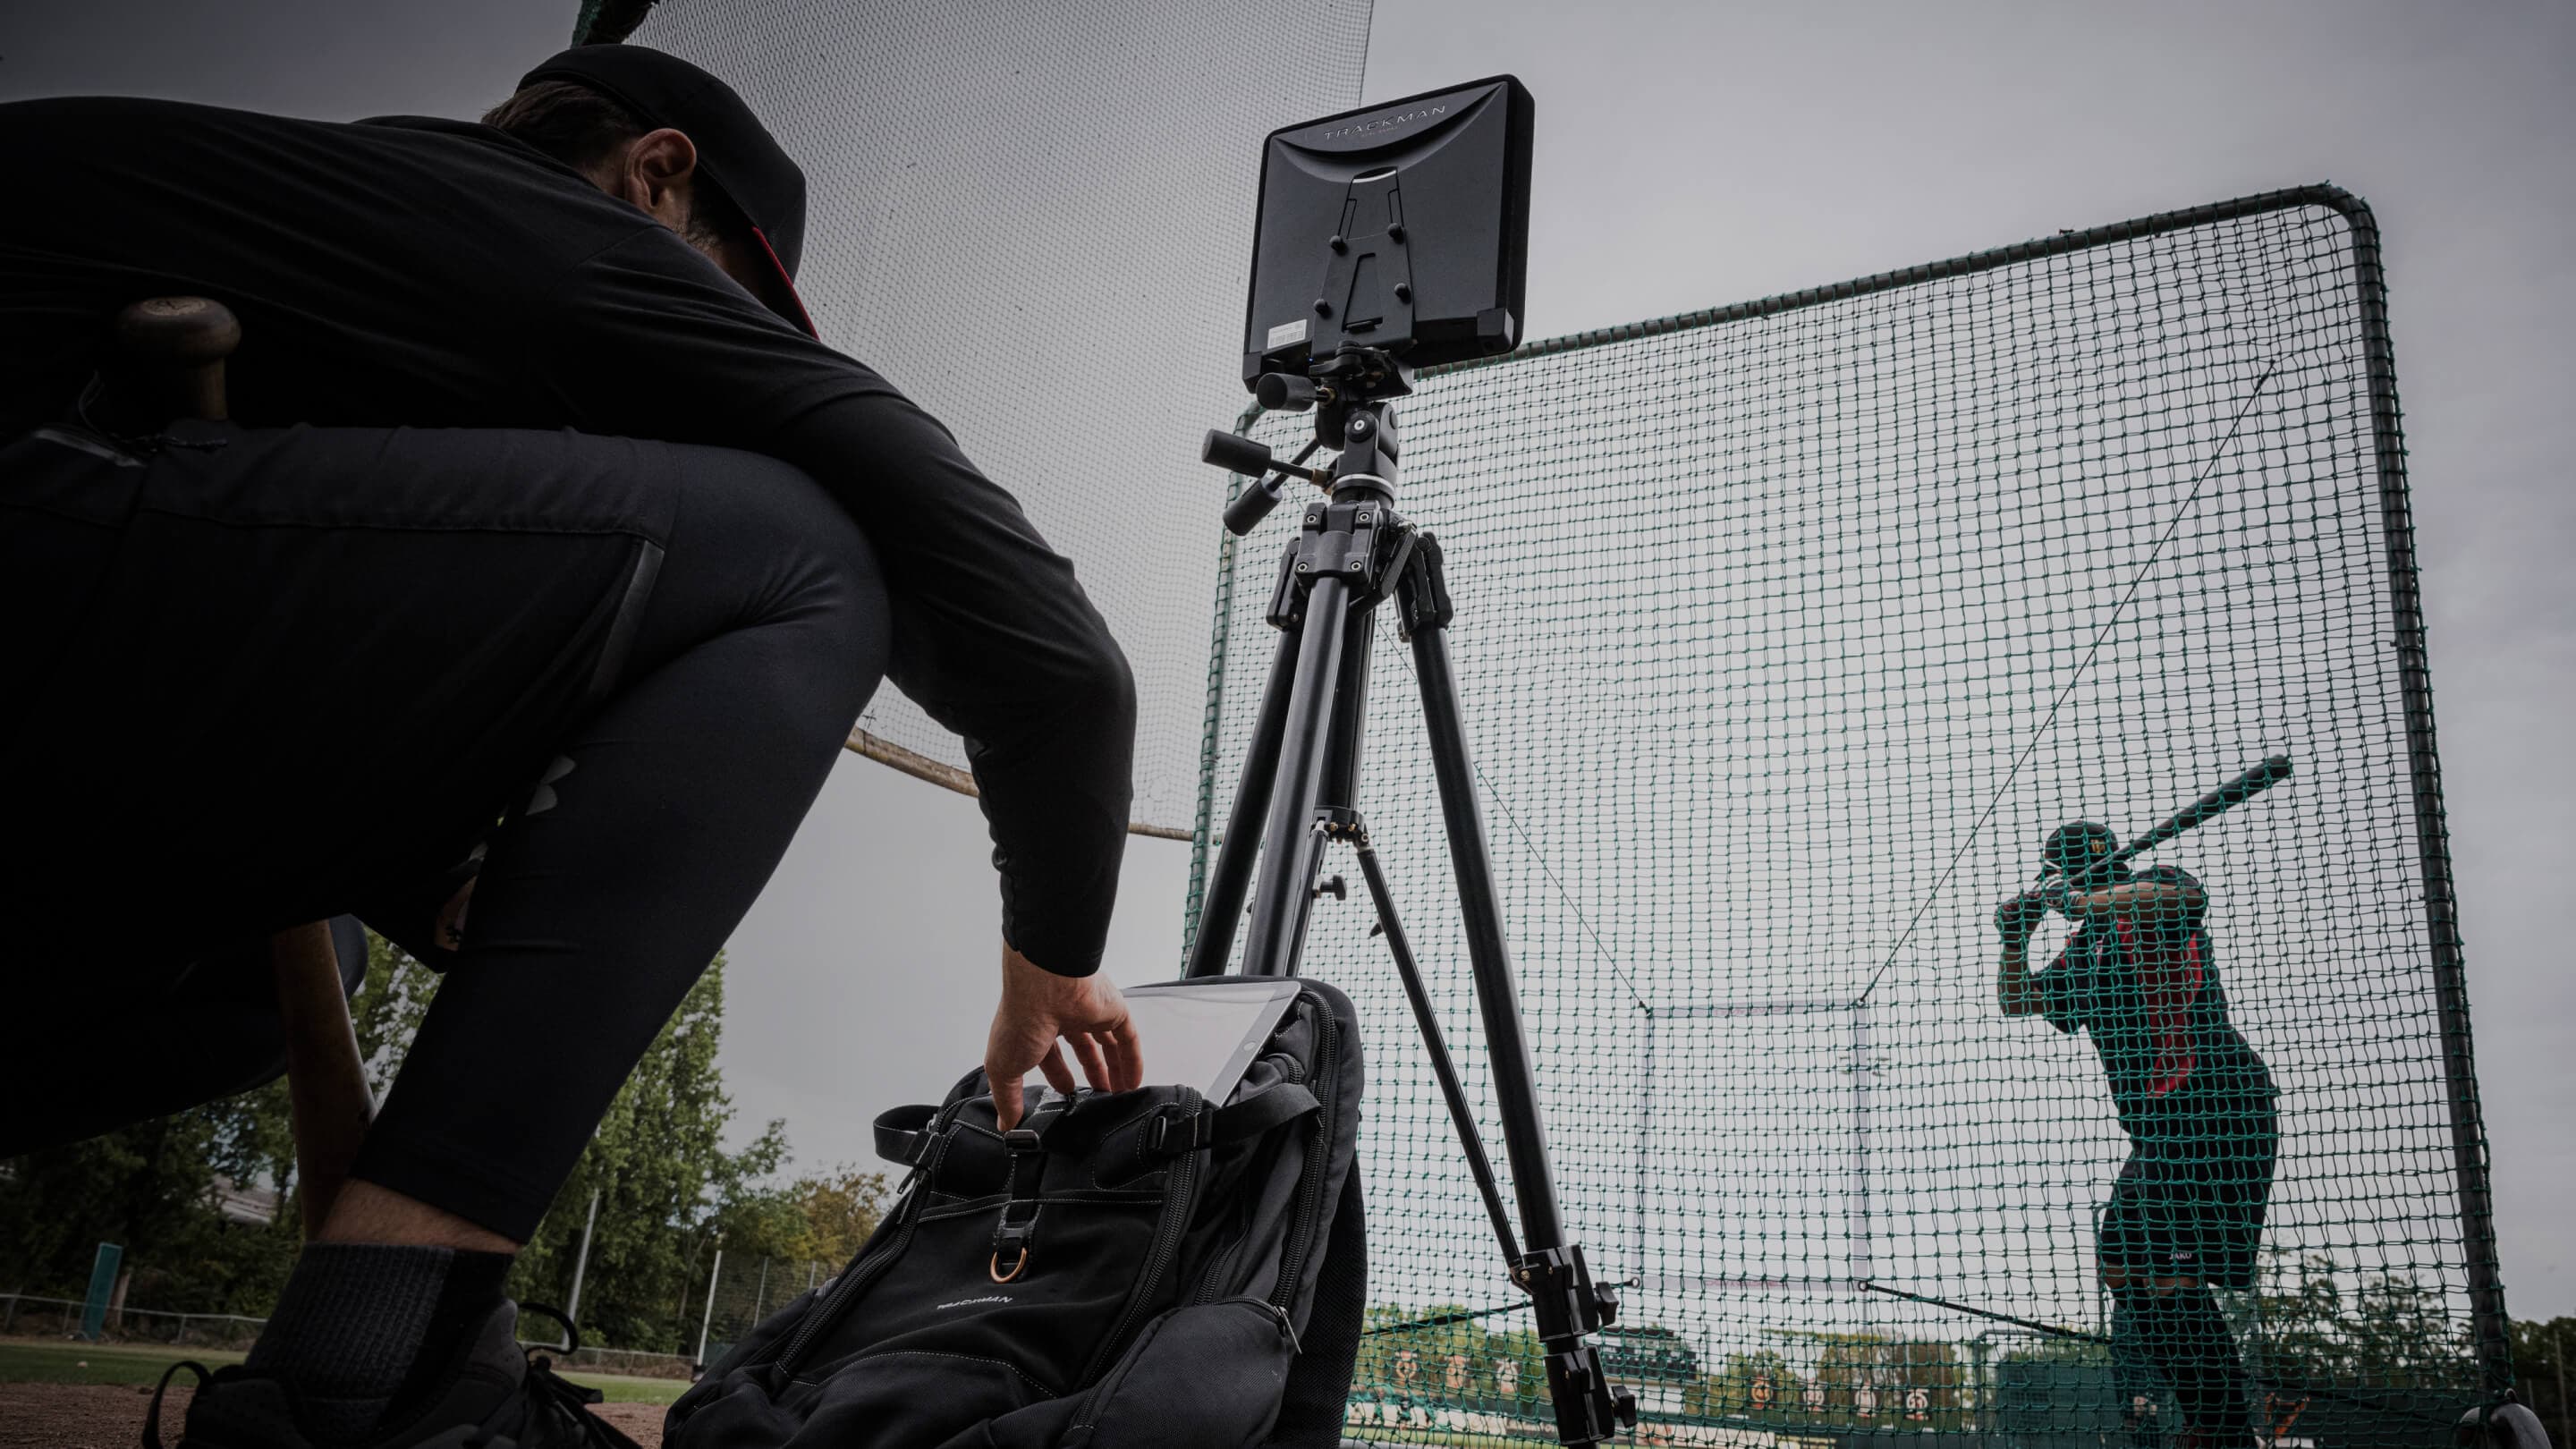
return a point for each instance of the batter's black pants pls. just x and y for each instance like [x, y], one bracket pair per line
[261, 677]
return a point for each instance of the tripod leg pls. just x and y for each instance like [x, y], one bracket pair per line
[1563, 1298]
[1343, 744]
[1291, 847]
[1222, 907]
[1497, 994]
[1469, 1140]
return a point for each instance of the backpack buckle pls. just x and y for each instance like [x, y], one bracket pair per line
[1019, 1263]
[1160, 1137]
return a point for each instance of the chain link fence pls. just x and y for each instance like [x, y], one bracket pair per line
[28, 1315]
[741, 1291]
[716, 1311]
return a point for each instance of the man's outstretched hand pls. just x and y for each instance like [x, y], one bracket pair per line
[1039, 1007]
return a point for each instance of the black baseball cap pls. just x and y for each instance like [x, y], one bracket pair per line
[735, 151]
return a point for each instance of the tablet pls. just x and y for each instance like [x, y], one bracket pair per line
[1203, 1033]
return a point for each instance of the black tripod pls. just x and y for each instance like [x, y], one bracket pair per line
[1300, 792]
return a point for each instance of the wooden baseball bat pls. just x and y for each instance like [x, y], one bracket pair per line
[2217, 802]
[170, 365]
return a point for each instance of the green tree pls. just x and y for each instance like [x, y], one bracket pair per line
[667, 1189]
[832, 1213]
[388, 1009]
[147, 1187]
[2387, 1330]
[2544, 1363]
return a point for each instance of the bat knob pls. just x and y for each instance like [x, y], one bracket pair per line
[170, 359]
[177, 331]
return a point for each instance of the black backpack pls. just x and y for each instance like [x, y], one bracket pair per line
[1126, 1270]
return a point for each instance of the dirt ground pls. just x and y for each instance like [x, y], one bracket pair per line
[110, 1416]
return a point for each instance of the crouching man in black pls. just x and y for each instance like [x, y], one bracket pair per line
[2186, 1213]
[545, 541]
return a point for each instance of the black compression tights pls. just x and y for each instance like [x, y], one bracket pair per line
[603, 898]
[284, 674]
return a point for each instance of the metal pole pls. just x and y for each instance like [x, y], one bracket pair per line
[1290, 847]
[2566, 1418]
[1858, 1223]
[1436, 1045]
[760, 1295]
[572, 1314]
[711, 1307]
[2432, 836]
[1645, 1145]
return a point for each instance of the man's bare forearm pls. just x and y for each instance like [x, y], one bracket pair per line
[2133, 898]
[2013, 991]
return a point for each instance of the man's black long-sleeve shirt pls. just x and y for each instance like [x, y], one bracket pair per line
[441, 274]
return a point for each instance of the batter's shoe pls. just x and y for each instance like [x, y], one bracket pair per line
[495, 1394]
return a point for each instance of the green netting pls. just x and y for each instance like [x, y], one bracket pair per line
[1786, 634]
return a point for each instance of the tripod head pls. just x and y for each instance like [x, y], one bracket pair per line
[1351, 393]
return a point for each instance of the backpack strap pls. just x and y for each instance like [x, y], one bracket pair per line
[1170, 1135]
[902, 1134]
[1017, 1231]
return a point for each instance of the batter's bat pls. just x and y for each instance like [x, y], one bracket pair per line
[2217, 802]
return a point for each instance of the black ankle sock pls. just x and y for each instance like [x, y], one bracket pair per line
[2189, 1341]
[356, 1317]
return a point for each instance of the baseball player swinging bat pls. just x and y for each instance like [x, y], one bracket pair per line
[2139, 977]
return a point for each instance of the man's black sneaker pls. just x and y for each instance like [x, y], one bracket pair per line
[495, 1395]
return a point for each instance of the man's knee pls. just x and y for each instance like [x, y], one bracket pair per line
[763, 537]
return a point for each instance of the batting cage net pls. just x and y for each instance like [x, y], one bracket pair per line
[1027, 217]
[1790, 635]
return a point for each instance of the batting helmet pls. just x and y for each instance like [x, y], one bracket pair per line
[2084, 853]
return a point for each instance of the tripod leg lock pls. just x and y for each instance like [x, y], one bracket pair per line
[1422, 592]
[1568, 1305]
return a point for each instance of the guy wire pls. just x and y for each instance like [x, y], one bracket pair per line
[1585, 921]
[2072, 679]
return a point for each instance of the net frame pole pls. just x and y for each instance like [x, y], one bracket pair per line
[2432, 833]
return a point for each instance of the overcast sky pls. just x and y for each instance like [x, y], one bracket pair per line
[1693, 154]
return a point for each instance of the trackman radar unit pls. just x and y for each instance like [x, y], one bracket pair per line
[1401, 227]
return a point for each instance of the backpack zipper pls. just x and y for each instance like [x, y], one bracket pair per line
[869, 1266]
[1167, 1246]
[1319, 1147]
[1088, 1415]
[1211, 1281]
